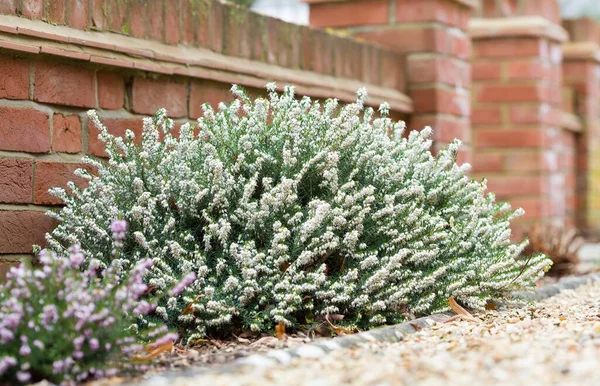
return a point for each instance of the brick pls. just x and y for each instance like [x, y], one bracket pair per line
[15, 180]
[156, 20]
[510, 48]
[53, 174]
[216, 26]
[14, 78]
[139, 20]
[418, 39]
[582, 29]
[79, 13]
[392, 71]
[445, 129]
[529, 161]
[33, 9]
[517, 185]
[100, 14]
[172, 24]
[488, 163]
[63, 85]
[460, 46]
[440, 101]
[150, 95]
[528, 69]
[354, 13]
[66, 131]
[111, 90]
[535, 208]
[24, 130]
[9, 7]
[486, 70]
[510, 93]
[443, 11]
[56, 11]
[486, 116]
[438, 70]
[115, 127]
[207, 91]
[20, 230]
[493, 138]
[118, 13]
[544, 114]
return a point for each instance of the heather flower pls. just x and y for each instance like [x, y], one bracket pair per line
[286, 209]
[76, 313]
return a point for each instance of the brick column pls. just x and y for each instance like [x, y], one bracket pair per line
[519, 138]
[581, 72]
[432, 36]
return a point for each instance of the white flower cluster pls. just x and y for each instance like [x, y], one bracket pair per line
[287, 209]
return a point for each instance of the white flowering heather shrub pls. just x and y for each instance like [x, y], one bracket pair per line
[288, 210]
[63, 324]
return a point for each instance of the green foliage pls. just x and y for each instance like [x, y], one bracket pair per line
[287, 209]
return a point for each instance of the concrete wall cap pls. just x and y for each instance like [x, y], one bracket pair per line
[517, 26]
[581, 51]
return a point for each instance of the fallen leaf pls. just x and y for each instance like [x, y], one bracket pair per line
[266, 340]
[339, 330]
[490, 306]
[153, 351]
[460, 311]
[188, 309]
[416, 326]
[280, 330]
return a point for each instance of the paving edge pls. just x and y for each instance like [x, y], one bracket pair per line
[321, 347]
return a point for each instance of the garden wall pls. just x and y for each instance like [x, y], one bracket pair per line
[128, 58]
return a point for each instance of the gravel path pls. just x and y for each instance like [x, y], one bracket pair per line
[552, 342]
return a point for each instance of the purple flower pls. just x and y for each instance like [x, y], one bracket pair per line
[25, 350]
[186, 281]
[94, 344]
[38, 344]
[76, 258]
[170, 337]
[23, 376]
[118, 229]
[6, 336]
[7, 362]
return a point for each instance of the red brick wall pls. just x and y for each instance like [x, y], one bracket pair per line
[52, 73]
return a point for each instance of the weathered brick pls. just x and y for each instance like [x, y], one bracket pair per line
[111, 90]
[510, 138]
[14, 78]
[438, 70]
[79, 14]
[139, 20]
[156, 20]
[66, 136]
[510, 48]
[417, 39]
[100, 14]
[20, 230]
[115, 127]
[33, 9]
[445, 129]
[50, 175]
[24, 130]
[352, 13]
[118, 13]
[15, 180]
[207, 91]
[172, 25]
[528, 69]
[150, 95]
[517, 185]
[56, 11]
[63, 85]
[9, 7]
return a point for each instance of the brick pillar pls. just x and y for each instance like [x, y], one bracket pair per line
[581, 73]
[519, 139]
[432, 35]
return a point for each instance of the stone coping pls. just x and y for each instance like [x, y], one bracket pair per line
[114, 50]
[321, 347]
[588, 51]
[517, 26]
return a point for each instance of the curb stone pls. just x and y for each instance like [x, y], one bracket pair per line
[321, 347]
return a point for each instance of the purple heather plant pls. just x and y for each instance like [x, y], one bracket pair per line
[64, 324]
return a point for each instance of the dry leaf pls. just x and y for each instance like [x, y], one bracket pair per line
[270, 341]
[490, 306]
[188, 309]
[280, 330]
[416, 326]
[460, 311]
[153, 351]
[339, 330]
